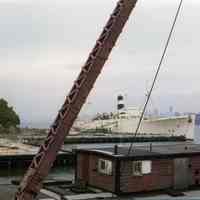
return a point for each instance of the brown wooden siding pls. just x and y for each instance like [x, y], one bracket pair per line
[160, 178]
[83, 168]
[100, 180]
[195, 170]
[87, 172]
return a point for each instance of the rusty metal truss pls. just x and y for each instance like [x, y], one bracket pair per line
[42, 162]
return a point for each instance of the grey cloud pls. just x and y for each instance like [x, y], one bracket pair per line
[45, 43]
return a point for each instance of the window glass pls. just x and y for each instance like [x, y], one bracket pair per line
[137, 168]
[105, 166]
[146, 167]
[141, 167]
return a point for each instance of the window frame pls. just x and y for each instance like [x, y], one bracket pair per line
[141, 169]
[135, 164]
[108, 170]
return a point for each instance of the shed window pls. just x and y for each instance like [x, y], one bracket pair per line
[141, 167]
[105, 166]
[137, 168]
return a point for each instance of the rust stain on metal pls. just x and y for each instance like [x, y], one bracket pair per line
[43, 161]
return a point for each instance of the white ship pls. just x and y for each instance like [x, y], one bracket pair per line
[125, 120]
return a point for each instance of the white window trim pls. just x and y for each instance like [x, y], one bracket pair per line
[146, 168]
[134, 172]
[108, 167]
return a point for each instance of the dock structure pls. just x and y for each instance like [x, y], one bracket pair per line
[52, 195]
[20, 154]
[16, 154]
[107, 138]
[89, 196]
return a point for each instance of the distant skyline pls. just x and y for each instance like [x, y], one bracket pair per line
[45, 43]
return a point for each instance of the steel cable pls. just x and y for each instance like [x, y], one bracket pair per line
[157, 73]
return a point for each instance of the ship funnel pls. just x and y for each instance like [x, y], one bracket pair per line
[120, 103]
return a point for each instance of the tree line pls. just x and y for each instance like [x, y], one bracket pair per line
[8, 117]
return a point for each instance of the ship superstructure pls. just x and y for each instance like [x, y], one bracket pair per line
[125, 120]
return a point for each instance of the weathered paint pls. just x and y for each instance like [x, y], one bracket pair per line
[166, 173]
[44, 159]
[87, 173]
[161, 177]
[181, 173]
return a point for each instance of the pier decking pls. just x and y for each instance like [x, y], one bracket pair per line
[106, 138]
[14, 154]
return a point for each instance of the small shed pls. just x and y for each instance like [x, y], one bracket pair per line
[145, 168]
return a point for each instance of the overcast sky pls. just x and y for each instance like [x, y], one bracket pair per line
[44, 43]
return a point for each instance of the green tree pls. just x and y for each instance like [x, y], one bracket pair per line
[8, 117]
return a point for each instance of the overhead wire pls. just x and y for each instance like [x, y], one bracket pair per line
[157, 73]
